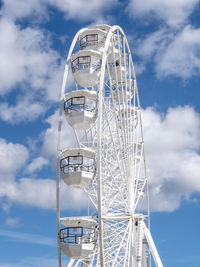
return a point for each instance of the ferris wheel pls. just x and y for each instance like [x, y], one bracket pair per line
[108, 161]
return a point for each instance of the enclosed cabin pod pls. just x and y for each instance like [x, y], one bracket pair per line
[123, 91]
[128, 118]
[77, 167]
[81, 108]
[119, 68]
[86, 67]
[79, 237]
[103, 27]
[106, 28]
[115, 43]
[93, 39]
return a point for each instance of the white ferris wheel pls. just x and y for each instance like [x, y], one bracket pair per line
[108, 161]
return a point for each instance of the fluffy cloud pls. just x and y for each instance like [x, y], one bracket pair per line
[173, 53]
[26, 56]
[18, 113]
[173, 163]
[78, 9]
[181, 57]
[41, 193]
[149, 46]
[25, 191]
[174, 13]
[28, 62]
[50, 136]
[173, 160]
[37, 164]
[21, 9]
[12, 158]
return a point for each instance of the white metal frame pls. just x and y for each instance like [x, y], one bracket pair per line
[118, 186]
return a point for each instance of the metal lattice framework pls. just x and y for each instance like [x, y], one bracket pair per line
[118, 190]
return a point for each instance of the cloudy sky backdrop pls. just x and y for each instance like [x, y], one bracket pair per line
[164, 36]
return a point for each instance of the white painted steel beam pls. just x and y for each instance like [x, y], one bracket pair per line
[152, 247]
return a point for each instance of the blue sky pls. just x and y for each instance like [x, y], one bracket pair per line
[164, 37]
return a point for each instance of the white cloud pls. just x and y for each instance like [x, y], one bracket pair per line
[41, 193]
[139, 68]
[78, 9]
[181, 57]
[174, 13]
[28, 62]
[24, 110]
[36, 192]
[37, 164]
[173, 53]
[22, 8]
[153, 43]
[12, 158]
[173, 160]
[25, 56]
[50, 136]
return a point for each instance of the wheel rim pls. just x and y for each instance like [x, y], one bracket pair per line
[117, 138]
